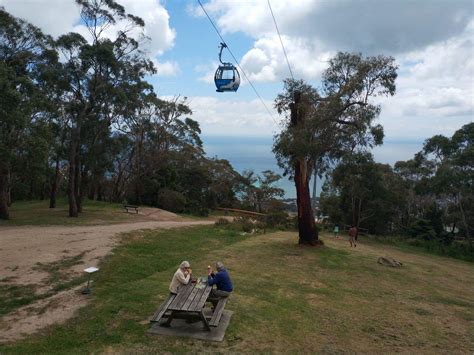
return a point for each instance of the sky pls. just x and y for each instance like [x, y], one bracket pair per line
[432, 42]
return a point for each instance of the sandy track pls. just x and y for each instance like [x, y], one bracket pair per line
[22, 249]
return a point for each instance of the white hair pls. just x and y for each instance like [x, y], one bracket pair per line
[219, 266]
[184, 264]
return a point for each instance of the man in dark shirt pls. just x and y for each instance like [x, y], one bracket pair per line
[353, 236]
[222, 281]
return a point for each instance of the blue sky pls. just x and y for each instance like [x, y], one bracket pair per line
[432, 41]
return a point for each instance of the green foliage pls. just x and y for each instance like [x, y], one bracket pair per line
[259, 192]
[170, 200]
[423, 229]
[278, 220]
[339, 117]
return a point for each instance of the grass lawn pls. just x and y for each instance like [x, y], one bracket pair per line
[286, 299]
[38, 213]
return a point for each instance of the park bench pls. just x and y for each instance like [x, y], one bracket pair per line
[130, 207]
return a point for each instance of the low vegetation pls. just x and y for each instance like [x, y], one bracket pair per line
[287, 298]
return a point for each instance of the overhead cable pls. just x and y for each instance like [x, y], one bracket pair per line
[282, 46]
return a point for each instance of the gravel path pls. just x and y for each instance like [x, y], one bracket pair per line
[22, 249]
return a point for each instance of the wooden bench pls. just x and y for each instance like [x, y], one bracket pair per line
[216, 316]
[163, 308]
[130, 207]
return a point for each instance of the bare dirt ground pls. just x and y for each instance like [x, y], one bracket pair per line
[38, 258]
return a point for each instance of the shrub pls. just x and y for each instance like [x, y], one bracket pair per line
[171, 200]
[222, 222]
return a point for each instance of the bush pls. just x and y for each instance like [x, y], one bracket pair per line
[222, 222]
[171, 200]
[422, 228]
[278, 219]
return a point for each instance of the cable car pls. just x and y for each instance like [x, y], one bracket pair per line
[227, 77]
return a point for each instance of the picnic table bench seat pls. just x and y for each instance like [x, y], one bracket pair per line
[163, 308]
[217, 314]
[130, 207]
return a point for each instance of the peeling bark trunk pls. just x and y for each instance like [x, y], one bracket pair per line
[308, 234]
[306, 227]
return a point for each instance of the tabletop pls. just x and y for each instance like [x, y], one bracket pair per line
[191, 297]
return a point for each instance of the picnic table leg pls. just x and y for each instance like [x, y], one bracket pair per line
[168, 321]
[204, 320]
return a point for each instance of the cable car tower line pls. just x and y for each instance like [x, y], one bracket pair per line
[237, 62]
[282, 46]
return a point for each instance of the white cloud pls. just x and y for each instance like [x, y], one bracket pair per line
[370, 26]
[233, 117]
[168, 68]
[59, 17]
[54, 17]
[435, 91]
[265, 62]
[206, 72]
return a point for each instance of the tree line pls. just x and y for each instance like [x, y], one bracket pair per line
[430, 197]
[78, 118]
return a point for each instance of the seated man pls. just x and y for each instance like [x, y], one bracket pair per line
[182, 276]
[222, 280]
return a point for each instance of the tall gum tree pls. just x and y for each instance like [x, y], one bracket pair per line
[101, 72]
[22, 48]
[323, 125]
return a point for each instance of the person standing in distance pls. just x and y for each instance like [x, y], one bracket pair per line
[352, 235]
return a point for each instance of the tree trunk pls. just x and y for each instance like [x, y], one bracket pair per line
[100, 196]
[9, 188]
[315, 183]
[4, 192]
[308, 234]
[73, 210]
[464, 221]
[54, 185]
[92, 189]
[77, 184]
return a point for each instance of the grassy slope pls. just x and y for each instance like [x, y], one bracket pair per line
[287, 298]
[38, 213]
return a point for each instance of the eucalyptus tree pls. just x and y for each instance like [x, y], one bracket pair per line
[453, 176]
[368, 194]
[260, 190]
[323, 124]
[22, 48]
[101, 71]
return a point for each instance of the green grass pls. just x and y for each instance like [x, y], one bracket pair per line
[455, 250]
[287, 298]
[38, 213]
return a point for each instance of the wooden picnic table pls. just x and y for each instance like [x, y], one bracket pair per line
[189, 302]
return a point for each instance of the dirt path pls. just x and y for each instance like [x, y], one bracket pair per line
[39, 257]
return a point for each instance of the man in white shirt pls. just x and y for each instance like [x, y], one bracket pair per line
[182, 276]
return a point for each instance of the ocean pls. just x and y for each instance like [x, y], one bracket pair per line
[255, 153]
